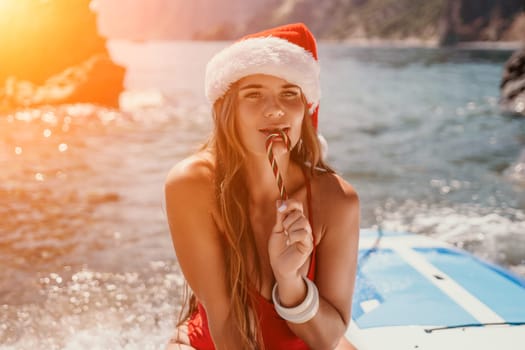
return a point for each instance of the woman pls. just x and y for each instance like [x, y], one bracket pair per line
[266, 272]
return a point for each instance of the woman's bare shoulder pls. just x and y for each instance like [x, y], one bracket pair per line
[189, 185]
[338, 203]
[335, 190]
[189, 192]
[195, 170]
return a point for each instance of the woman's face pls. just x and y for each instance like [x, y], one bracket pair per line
[266, 103]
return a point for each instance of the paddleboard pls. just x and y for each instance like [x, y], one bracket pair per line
[415, 292]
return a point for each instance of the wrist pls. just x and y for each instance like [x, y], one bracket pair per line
[305, 310]
[292, 290]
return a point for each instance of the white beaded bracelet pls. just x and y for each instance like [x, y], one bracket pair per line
[303, 312]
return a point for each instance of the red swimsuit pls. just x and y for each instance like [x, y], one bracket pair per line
[275, 331]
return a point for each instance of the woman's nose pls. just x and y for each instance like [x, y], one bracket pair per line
[274, 110]
[275, 113]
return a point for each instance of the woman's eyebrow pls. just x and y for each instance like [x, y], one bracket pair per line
[258, 86]
[251, 86]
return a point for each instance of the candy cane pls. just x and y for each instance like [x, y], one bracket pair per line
[273, 162]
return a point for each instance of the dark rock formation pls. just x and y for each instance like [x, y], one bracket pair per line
[512, 87]
[356, 19]
[480, 20]
[97, 80]
[52, 53]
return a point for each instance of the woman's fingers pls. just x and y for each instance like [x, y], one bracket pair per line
[298, 231]
[289, 205]
[302, 240]
[293, 220]
[284, 208]
[290, 217]
[291, 241]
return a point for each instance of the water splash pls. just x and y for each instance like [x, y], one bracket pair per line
[96, 310]
[495, 234]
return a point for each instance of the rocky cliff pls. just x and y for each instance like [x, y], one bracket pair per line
[437, 21]
[445, 22]
[483, 20]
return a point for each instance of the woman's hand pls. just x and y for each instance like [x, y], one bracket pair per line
[291, 240]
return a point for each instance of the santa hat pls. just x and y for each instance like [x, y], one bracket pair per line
[288, 52]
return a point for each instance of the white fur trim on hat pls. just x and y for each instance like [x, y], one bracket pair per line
[264, 55]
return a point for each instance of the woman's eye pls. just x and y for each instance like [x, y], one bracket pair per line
[254, 94]
[290, 93]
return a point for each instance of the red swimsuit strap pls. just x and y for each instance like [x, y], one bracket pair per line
[311, 269]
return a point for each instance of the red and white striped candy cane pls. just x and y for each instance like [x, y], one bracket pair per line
[273, 162]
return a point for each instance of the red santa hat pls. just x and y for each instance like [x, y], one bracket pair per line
[288, 52]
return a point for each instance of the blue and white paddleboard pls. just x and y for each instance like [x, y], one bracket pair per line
[414, 292]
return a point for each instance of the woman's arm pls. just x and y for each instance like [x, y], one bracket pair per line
[336, 260]
[196, 239]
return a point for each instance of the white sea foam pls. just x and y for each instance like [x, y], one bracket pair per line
[97, 310]
[496, 235]
[516, 171]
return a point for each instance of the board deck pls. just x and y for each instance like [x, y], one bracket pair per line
[414, 292]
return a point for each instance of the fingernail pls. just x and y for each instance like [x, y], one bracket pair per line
[281, 208]
[287, 242]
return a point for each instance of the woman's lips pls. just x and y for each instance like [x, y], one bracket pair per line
[269, 131]
[279, 135]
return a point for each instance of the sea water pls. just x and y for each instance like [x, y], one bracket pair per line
[86, 260]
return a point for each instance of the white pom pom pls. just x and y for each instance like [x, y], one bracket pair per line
[324, 146]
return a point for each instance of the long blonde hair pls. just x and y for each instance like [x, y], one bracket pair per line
[232, 200]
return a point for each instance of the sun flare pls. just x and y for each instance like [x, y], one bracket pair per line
[6, 6]
[9, 12]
